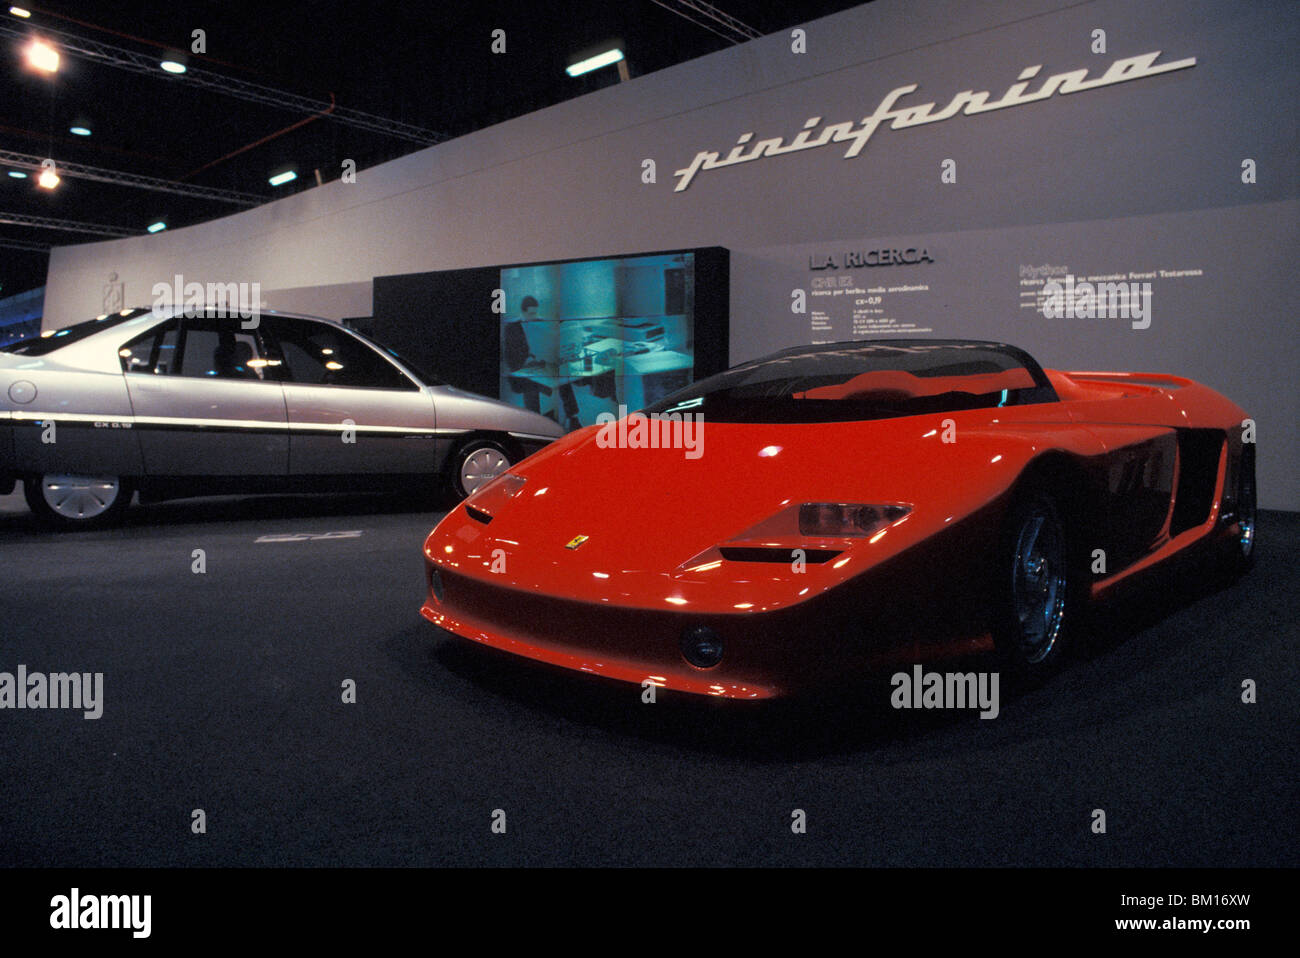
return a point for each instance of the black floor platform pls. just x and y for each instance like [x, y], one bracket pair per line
[222, 692]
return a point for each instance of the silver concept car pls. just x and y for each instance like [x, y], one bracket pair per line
[179, 402]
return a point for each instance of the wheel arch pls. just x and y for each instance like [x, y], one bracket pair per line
[502, 438]
[1076, 489]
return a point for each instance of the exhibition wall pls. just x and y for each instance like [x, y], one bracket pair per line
[1172, 161]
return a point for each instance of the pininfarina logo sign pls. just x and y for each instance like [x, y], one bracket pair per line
[968, 102]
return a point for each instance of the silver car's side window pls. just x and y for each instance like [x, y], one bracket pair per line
[153, 352]
[220, 349]
[319, 354]
[200, 347]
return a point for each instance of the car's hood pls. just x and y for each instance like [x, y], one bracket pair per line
[654, 518]
[10, 360]
[458, 408]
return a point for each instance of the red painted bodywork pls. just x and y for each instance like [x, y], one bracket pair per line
[617, 604]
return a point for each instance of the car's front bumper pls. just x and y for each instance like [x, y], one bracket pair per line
[889, 617]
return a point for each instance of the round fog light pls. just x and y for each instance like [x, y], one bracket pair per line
[435, 583]
[702, 647]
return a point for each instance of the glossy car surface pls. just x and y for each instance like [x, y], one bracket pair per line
[172, 404]
[852, 508]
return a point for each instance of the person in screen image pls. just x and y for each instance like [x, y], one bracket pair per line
[518, 352]
[519, 357]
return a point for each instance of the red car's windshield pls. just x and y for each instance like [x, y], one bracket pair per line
[868, 380]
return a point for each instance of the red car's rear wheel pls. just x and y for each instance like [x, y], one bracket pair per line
[1241, 553]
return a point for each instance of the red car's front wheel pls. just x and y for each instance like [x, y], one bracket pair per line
[1034, 607]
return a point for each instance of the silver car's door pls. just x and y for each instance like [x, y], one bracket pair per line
[206, 400]
[351, 410]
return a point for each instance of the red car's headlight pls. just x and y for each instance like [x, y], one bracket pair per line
[496, 493]
[507, 484]
[823, 520]
[840, 519]
[819, 529]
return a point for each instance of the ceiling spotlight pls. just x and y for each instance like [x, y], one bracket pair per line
[281, 177]
[48, 179]
[41, 56]
[20, 12]
[157, 226]
[79, 130]
[18, 174]
[174, 61]
[594, 62]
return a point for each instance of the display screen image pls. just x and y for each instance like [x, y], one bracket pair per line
[587, 337]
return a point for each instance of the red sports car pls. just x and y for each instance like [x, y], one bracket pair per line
[831, 511]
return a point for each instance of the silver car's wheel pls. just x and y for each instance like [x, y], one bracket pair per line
[477, 465]
[73, 500]
[80, 497]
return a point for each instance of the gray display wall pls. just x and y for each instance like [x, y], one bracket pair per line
[1123, 162]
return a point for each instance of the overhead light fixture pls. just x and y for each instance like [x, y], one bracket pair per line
[79, 130]
[48, 179]
[41, 56]
[282, 177]
[20, 12]
[595, 62]
[174, 61]
[18, 174]
[157, 226]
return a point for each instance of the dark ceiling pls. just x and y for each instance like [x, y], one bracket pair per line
[426, 64]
